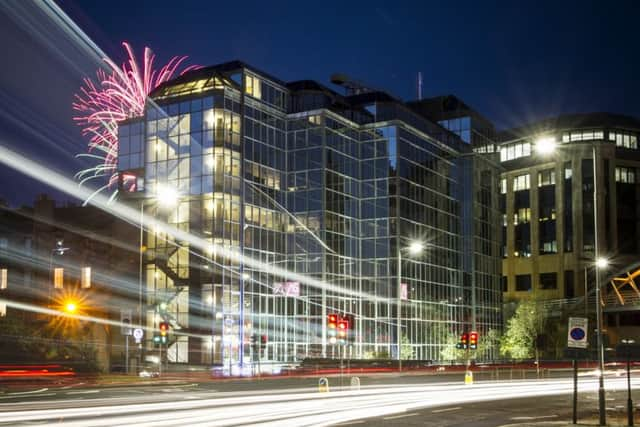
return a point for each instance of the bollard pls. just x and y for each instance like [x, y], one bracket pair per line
[323, 385]
[468, 378]
[355, 384]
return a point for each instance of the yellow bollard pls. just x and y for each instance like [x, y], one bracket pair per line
[323, 385]
[468, 377]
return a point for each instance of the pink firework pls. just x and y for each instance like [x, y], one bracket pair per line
[119, 92]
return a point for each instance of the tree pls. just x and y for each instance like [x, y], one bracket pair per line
[521, 339]
[406, 349]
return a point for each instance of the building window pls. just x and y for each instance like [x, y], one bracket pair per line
[546, 177]
[3, 309]
[86, 277]
[582, 135]
[505, 284]
[521, 182]
[503, 186]
[523, 282]
[515, 151]
[3, 278]
[548, 281]
[58, 277]
[624, 140]
[625, 175]
[253, 86]
[569, 287]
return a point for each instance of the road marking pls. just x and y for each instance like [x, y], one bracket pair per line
[532, 418]
[401, 416]
[446, 409]
[349, 423]
[30, 392]
[84, 392]
[16, 397]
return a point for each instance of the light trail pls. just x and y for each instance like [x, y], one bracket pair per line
[35, 170]
[300, 408]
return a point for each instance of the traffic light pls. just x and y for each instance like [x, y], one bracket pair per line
[473, 340]
[463, 344]
[263, 342]
[343, 328]
[164, 329]
[254, 340]
[332, 324]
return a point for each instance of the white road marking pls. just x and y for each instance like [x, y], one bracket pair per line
[446, 409]
[30, 392]
[84, 392]
[400, 416]
[533, 418]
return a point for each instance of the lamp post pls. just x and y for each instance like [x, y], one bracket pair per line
[414, 249]
[547, 146]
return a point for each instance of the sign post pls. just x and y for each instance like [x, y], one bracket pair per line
[125, 329]
[576, 338]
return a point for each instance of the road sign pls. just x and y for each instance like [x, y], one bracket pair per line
[125, 320]
[138, 334]
[577, 335]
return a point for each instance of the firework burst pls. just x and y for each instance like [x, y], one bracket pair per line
[117, 93]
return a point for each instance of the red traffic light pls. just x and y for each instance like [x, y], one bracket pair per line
[343, 324]
[164, 327]
[332, 320]
[473, 340]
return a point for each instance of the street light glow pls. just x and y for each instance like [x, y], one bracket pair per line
[416, 247]
[70, 307]
[602, 263]
[545, 145]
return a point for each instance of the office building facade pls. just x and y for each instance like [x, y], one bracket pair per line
[547, 203]
[321, 191]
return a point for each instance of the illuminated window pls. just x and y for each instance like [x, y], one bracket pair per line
[624, 140]
[625, 175]
[3, 278]
[546, 177]
[515, 151]
[521, 182]
[582, 135]
[86, 277]
[3, 309]
[58, 276]
[253, 86]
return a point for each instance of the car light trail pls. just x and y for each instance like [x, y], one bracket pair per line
[301, 408]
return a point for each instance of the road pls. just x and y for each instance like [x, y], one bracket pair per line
[382, 400]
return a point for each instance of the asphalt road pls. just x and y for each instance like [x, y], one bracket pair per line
[383, 400]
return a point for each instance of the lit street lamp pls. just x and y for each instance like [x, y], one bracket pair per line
[547, 146]
[414, 248]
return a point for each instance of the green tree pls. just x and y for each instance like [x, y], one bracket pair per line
[406, 350]
[521, 338]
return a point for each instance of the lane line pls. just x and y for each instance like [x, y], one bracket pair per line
[29, 392]
[436, 411]
[400, 416]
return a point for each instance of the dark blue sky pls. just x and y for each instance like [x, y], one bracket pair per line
[512, 62]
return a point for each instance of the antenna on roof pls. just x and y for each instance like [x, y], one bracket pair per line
[419, 86]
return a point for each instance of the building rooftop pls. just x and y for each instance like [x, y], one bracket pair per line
[571, 121]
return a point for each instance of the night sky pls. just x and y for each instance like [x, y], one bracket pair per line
[512, 63]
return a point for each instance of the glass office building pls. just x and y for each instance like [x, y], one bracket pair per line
[319, 193]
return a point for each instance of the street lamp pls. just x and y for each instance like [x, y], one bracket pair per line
[546, 146]
[414, 248]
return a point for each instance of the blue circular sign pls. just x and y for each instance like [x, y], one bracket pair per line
[577, 334]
